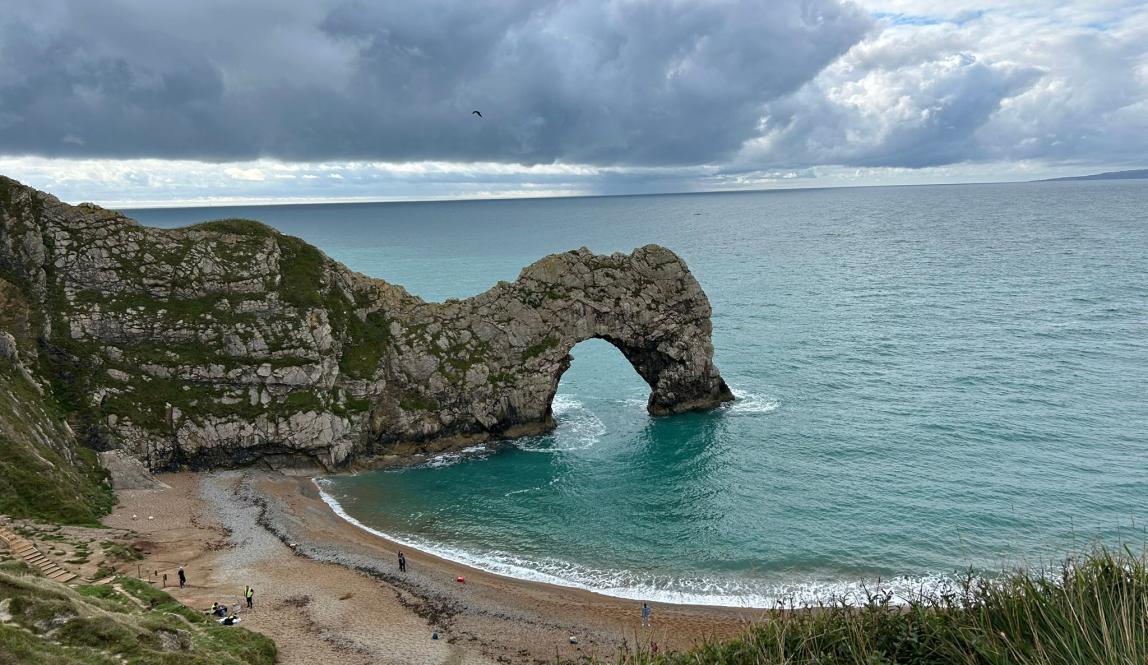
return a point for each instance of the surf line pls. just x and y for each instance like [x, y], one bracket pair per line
[797, 594]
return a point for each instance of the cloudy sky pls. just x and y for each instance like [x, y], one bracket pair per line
[137, 102]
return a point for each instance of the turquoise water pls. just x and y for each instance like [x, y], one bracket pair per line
[930, 378]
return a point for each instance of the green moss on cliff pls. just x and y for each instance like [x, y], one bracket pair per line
[300, 401]
[501, 378]
[301, 269]
[169, 310]
[364, 340]
[17, 315]
[149, 404]
[353, 406]
[236, 226]
[414, 402]
[538, 349]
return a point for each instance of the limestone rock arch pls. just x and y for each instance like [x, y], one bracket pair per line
[489, 366]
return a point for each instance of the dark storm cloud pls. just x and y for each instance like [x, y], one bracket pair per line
[625, 82]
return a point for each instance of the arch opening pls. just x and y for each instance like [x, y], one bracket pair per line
[597, 368]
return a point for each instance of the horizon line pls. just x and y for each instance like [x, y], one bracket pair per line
[255, 202]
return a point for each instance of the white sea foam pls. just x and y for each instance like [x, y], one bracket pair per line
[563, 404]
[750, 402]
[534, 489]
[447, 459]
[724, 592]
[747, 402]
[578, 428]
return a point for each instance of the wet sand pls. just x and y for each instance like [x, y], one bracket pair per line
[327, 589]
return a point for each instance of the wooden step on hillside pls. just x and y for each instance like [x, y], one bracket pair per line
[26, 550]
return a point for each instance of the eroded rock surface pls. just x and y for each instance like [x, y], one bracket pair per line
[228, 343]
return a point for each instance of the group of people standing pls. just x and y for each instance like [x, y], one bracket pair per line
[220, 609]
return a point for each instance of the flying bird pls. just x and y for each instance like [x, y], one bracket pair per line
[478, 113]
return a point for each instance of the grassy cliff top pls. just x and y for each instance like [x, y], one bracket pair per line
[127, 621]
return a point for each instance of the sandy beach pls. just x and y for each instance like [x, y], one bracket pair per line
[327, 589]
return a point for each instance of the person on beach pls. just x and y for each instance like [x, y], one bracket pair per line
[646, 611]
[249, 593]
[402, 563]
[182, 577]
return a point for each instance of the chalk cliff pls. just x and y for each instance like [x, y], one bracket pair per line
[229, 343]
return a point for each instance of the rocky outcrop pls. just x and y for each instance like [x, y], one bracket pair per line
[228, 343]
[127, 472]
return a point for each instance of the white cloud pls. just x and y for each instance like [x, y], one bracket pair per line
[950, 82]
[249, 174]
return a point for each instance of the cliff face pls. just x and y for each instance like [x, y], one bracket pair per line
[228, 343]
[44, 474]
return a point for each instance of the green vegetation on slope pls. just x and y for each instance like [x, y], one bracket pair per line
[43, 473]
[1094, 611]
[301, 268]
[236, 226]
[43, 622]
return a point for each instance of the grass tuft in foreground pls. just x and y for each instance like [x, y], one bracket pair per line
[1093, 611]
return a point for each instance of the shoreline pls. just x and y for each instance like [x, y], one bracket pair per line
[329, 589]
[290, 501]
[806, 593]
[528, 575]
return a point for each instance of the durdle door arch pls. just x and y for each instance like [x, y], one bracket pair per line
[489, 366]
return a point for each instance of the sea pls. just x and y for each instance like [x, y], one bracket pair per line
[931, 381]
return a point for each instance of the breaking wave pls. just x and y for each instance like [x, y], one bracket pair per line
[750, 403]
[578, 428]
[447, 459]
